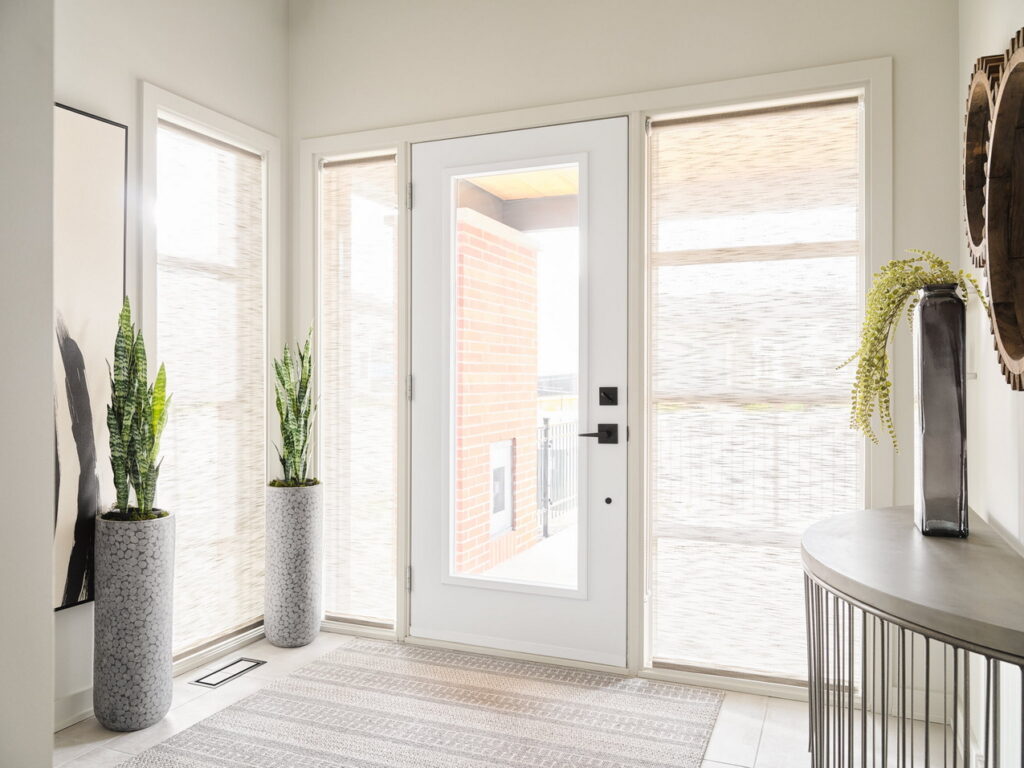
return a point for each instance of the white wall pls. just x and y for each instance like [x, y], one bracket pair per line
[228, 55]
[358, 65]
[26, 402]
[995, 416]
[354, 65]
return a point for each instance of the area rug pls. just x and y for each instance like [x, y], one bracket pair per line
[373, 704]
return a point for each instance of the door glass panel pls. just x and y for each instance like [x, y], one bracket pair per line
[515, 376]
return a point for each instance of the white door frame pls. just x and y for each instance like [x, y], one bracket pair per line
[870, 79]
[466, 608]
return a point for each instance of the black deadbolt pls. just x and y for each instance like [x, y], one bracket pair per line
[608, 395]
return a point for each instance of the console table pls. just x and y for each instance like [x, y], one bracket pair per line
[909, 641]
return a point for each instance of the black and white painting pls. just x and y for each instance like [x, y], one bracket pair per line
[89, 167]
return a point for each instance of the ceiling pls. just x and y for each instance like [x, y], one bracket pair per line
[524, 185]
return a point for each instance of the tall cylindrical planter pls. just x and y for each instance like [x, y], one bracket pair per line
[940, 424]
[294, 579]
[132, 662]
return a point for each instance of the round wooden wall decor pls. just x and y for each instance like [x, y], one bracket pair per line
[980, 108]
[1004, 220]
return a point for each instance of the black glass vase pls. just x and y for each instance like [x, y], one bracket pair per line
[940, 426]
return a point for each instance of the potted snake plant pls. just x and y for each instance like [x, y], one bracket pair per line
[132, 664]
[294, 527]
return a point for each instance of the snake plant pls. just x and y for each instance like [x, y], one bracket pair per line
[296, 409]
[136, 417]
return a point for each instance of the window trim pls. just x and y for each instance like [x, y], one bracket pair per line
[871, 78]
[156, 105]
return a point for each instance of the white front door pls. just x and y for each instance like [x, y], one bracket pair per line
[519, 243]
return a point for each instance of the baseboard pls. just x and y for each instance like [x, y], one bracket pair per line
[71, 709]
[725, 682]
[358, 630]
[214, 652]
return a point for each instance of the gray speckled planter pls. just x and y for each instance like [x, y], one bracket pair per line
[293, 603]
[132, 680]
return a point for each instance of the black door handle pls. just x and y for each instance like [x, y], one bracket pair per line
[606, 433]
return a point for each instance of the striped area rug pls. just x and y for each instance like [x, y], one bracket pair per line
[373, 704]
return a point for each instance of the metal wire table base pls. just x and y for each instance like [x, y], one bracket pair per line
[883, 692]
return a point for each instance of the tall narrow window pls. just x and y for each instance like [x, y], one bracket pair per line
[358, 386]
[210, 333]
[755, 277]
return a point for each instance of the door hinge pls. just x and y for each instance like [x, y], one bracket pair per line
[408, 196]
[408, 387]
[408, 578]
[647, 126]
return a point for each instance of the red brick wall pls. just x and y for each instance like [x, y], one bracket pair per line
[496, 385]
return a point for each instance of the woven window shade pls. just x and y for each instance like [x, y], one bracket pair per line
[210, 335]
[358, 386]
[755, 222]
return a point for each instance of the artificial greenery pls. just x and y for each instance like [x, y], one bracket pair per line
[296, 409]
[136, 418]
[894, 291]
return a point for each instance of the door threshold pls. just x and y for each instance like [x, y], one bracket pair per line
[703, 679]
[483, 650]
[725, 682]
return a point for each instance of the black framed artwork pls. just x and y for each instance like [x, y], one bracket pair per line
[89, 217]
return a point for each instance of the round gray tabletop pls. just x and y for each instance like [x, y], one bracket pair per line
[970, 590]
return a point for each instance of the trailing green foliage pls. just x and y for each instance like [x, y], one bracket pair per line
[295, 407]
[894, 291]
[136, 418]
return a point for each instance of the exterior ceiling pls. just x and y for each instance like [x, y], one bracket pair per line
[523, 185]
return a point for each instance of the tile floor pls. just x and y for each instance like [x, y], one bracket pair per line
[751, 732]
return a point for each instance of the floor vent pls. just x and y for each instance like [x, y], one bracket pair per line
[227, 673]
